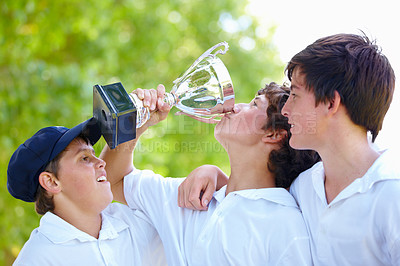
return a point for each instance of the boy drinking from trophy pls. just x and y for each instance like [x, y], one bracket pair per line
[251, 221]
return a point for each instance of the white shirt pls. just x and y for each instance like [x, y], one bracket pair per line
[126, 238]
[361, 226]
[248, 227]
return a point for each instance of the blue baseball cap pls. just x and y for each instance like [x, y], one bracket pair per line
[31, 157]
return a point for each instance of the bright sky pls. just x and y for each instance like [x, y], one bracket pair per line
[301, 22]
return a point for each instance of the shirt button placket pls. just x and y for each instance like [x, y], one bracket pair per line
[107, 259]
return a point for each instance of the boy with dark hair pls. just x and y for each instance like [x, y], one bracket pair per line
[57, 169]
[341, 88]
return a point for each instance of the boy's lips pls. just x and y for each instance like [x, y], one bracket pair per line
[291, 126]
[227, 115]
[102, 178]
[234, 111]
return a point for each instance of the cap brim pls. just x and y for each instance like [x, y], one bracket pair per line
[90, 129]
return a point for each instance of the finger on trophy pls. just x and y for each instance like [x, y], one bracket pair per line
[160, 91]
[153, 99]
[139, 92]
[146, 98]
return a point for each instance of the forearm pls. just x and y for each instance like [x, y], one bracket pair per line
[120, 160]
[119, 164]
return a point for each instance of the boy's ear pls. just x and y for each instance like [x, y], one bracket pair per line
[334, 103]
[49, 182]
[274, 136]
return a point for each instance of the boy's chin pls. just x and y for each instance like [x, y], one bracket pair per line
[108, 198]
[296, 144]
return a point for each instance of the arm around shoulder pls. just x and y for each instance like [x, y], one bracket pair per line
[197, 189]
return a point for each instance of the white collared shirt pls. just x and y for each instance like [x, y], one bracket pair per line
[248, 227]
[126, 238]
[361, 226]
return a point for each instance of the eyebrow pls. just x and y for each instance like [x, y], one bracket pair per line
[90, 150]
[257, 98]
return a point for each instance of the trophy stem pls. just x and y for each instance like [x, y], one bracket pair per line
[170, 99]
[143, 113]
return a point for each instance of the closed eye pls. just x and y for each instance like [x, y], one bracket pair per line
[254, 102]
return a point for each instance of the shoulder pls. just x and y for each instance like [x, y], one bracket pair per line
[147, 178]
[275, 204]
[145, 190]
[285, 225]
[381, 183]
[118, 212]
[305, 179]
[386, 192]
[387, 166]
[288, 215]
[37, 250]
[139, 174]
[381, 205]
[316, 169]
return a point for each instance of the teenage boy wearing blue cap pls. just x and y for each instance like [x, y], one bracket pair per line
[58, 170]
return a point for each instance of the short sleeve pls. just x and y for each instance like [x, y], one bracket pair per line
[292, 242]
[298, 252]
[151, 193]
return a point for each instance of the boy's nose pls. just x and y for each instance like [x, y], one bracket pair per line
[238, 107]
[101, 163]
[285, 111]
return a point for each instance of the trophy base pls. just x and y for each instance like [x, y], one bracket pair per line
[115, 113]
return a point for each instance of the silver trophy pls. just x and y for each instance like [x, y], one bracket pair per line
[204, 92]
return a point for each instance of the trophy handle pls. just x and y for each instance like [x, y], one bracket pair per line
[207, 53]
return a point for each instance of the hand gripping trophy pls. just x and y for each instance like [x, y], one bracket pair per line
[204, 92]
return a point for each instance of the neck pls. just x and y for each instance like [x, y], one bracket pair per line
[86, 222]
[249, 171]
[345, 159]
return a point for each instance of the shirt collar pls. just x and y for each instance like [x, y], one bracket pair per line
[385, 167]
[111, 226]
[318, 180]
[277, 195]
[59, 231]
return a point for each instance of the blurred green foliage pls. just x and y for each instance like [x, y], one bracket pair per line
[53, 52]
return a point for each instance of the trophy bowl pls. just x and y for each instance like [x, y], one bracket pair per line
[204, 92]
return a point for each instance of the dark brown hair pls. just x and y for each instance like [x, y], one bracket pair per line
[353, 66]
[286, 163]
